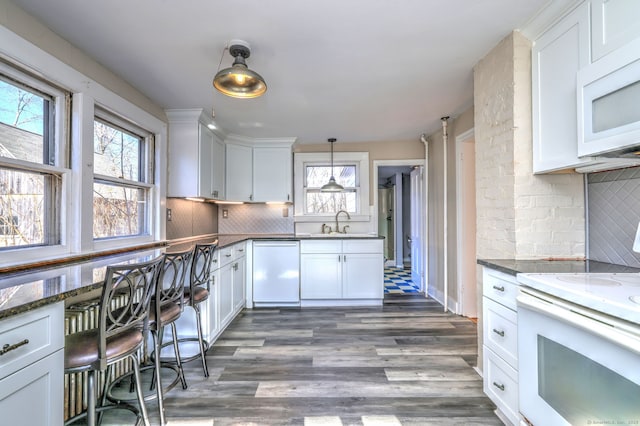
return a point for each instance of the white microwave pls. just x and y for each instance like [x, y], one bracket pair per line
[608, 92]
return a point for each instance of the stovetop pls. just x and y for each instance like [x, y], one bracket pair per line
[615, 294]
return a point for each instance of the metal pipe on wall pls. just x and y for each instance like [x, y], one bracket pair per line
[445, 257]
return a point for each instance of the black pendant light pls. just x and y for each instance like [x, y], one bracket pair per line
[239, 81]
[332, 185]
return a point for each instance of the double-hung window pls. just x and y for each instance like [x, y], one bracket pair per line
[33, 161]
[122, 179]
[318, 202]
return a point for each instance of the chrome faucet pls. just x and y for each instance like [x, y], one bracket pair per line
[344, 231]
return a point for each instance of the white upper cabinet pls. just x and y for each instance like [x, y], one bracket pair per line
[259, 173]
[196, 157]
[614, 23]
[272, 174]
[239, 173]
[556, 58]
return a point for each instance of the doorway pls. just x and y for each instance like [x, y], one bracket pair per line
[466, 224]
[399, 207]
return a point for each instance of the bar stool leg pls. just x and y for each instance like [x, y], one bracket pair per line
[139, 391]
[91, 398]
[203, 349]
[158, 374]
[176, 349]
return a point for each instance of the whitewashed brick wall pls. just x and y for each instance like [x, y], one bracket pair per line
[519, 215]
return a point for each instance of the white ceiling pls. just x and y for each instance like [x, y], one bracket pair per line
[357, 70]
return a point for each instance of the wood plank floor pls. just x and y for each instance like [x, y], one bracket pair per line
[406, 363]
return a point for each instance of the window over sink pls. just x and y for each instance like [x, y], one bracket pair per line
[313, 170]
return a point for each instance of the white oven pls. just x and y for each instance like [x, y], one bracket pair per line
[578, 365]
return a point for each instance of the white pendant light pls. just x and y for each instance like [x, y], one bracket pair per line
[239, 81]
[332, 185]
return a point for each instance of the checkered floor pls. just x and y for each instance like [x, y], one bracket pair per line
[398, 281]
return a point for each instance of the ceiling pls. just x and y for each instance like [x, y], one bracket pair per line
[357, 70]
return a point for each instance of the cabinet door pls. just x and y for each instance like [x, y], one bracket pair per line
[213, 303]
[218, 169]
[321, 276]
[226, 294]
[239, 282]
[239, 173]
[557, 56]
[363, 276]
[33, 395]
[272, 174]
[205, 160]
[614, 24]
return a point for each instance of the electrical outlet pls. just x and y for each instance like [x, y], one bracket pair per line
[285, 212]
[169, 217]
[225, 213]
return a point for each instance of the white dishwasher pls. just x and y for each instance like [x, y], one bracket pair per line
[276, 273]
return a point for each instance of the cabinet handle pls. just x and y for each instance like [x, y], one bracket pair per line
[215, 194]
[241, 250]
[499, 332]
[228, 255]
[345, 257]
[8, 348]
[235, 266]
[215, 260]
[338, 258]
[499, 386]
[288, 197]
[251, 197]
[501, 288]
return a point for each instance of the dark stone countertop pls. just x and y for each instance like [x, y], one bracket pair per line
[32, 288]
[513, 267]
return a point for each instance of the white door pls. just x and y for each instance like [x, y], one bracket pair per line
[362, 276]
[466, 215]
[321, 276]
[417, 203]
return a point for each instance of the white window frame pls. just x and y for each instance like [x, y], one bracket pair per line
[146, 180]
[359, 159]
[60, 169]
[77, 204]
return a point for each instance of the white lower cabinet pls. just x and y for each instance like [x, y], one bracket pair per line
[32, 366]
[500, 341]
[341, 272]
[229, 281]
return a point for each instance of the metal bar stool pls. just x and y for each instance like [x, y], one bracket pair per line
[197, 292]
[166, 308]
[119, 334]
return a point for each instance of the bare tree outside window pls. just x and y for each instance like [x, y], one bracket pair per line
[119, 204]
[27, 197]
[317, 202]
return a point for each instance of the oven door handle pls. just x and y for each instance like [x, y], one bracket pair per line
[591, 322]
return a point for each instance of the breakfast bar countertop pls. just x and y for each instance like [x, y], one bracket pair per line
[31, 288]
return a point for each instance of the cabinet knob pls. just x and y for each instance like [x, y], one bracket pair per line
[499, 288]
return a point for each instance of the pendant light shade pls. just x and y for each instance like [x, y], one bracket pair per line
[332, 185]
[239, 81]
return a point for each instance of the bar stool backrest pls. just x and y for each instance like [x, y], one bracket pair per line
[170, 288]
[201, 266]
[136, 281]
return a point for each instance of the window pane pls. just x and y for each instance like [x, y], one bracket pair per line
[118, 210]
[328, 202]
[116, 152]
[319, 175]
[24, 124]
[28, 208]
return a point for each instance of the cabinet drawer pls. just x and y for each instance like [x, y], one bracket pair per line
[225, 255]
[501, 331]
[239, 250]
[500, 287]
[327, 246]
[362, 246]
[501, 384]
[34, 335]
